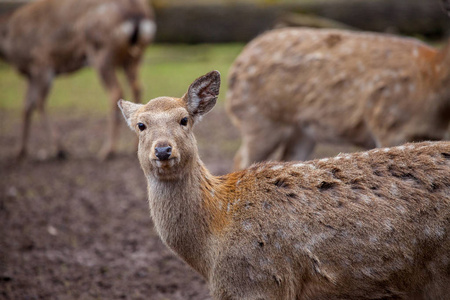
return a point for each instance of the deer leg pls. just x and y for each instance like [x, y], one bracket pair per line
[106, 71]
[299, 146]
[52, 131]
[36, 94]
[131, 73]
[260, 144]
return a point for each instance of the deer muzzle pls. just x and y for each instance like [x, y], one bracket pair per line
[163, 153]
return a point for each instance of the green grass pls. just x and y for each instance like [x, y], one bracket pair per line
[167, 70]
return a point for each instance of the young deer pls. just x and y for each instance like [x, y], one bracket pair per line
[51, 37]
[368, 225]
[292, 88]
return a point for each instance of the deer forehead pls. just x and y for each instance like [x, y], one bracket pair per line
[163, 104]
[163, 108]
[163, 118]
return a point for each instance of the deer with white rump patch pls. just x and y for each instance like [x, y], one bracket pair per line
[47, 38]
[292, 88]
[371, 225]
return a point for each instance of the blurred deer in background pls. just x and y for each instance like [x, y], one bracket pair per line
[51, 37]
[292, 88]
[370, 225]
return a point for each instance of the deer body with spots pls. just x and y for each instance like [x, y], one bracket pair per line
[48, 38]
[292, 88]
[370, 225]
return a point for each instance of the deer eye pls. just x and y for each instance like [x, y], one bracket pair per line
[184, 121]
[141, 126]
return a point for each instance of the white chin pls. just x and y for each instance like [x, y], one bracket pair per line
[166, 168]
[165, 164]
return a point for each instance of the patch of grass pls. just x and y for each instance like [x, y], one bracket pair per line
[167, 70]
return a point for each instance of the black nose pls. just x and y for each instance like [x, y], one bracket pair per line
[163, 153]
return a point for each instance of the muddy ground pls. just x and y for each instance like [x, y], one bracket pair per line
[80, 228]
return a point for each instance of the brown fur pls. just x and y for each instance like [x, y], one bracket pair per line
[370, 225]
[292, 88]
[47, 38]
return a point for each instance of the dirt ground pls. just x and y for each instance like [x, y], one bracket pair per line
[80, 228]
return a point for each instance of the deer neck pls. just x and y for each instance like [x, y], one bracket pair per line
[182, 212]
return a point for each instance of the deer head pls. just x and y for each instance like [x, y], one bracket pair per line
[167, 146]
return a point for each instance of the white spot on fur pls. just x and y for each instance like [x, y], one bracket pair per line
[103, 9]
[438, 232]
[367, 271]
[347, 50]
[257, 50]
[324, 160]
[299, 165]
[314, 56]
[316, 239]
[148, 30]
[261, 169]
[246, 225]
[277, 167]
[277, 56]
[394, 190]
[251, 70]
[264, 261]
[401, 148]
[386, 149]
[401, 209]
[127, 28]
[365, 199]
[277, 245]
[388, 224]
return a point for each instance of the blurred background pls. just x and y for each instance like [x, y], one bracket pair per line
[80, 228]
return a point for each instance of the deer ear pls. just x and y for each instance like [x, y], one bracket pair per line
[202, 94]
[128, 109]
